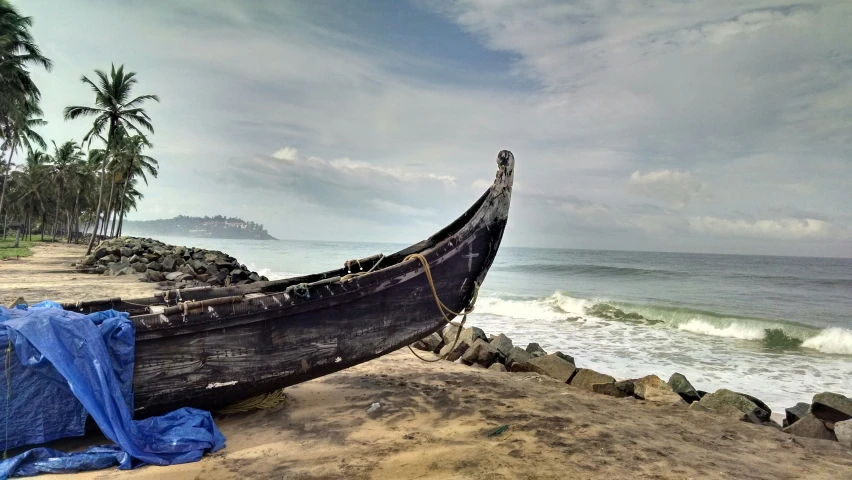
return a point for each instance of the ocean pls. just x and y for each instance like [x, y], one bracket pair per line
[778, 328]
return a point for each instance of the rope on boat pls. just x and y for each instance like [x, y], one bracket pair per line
[445, 311]
[259, 402]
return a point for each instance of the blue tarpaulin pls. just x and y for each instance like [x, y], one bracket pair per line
[61, 366]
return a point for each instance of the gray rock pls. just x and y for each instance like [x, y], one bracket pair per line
[126, 252]
[585, 378]
[154, 276]
[187, 269]
[137, 259]
[502, 343]
[535, 350]
[723, 398]
[114, 267]
[433, 342]
[138, 267]
[552, 366]
[126, 271]
[831, 407]
[168, 263]
[89, 260]
[681, 386]
[100, 253]
[156, 266]
[565, 356]
[498, 367]
[419, 345]
[811, 427]
[238, 274]
[471, 335]
[843, 432]
[620, 389]
[760, 404]
[180, 251]
[517, 355]
[173, 276]
[794, 414]
[481, 352]
[254, 277]
[449, 334]
[453, 354]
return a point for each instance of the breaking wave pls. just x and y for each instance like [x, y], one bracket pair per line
[774, 334]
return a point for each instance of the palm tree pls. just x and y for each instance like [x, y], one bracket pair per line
[133, 163]
[17, 51]
[113, 109]
[18, 94]
[30, 183]
[18, 131]
[64, 162]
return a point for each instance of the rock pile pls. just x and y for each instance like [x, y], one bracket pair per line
[168, 265]
[828, 417]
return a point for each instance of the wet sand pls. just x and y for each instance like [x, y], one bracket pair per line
[435, 418]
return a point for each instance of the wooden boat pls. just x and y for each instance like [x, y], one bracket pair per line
[210, 347]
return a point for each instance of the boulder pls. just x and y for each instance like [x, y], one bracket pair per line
[481, 352]
[552, 366]
[518, 367]
[419, 345]
[517, 355]
[843, 432]
[565, 356]
[469, 335]
[681, 386]
[202, 277]
[585, 378]
[154, 276]
[254, 277]
[433, 342]
[449, 333]
[498, 367]
[137, 259]
[180, 251]
[173, 276]
[760, 404]
[654, 389]
[126, 271]
[794, 414]
[139, 267]
[453, 354]
[811, 427]
[620, 389]
[168, 263]
[502, 343]
[100, 253]
[114, 267]
[722, 399]
[89, 260]
[535, 350]
[126, 252]
[187, 269]
[156, 266]
[237, 274]
[831, 407]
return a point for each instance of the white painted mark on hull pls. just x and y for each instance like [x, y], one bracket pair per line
[470, 256]
[222, 384]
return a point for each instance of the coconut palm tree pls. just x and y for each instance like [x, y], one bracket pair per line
[133, 163]
[64, 163]
[30, 184]
[18, 131]
[17, 51]
[114, 109]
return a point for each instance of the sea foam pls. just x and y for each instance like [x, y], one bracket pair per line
[831, 340]
[734, 330]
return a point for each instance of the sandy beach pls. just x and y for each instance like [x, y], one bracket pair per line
[434, 420]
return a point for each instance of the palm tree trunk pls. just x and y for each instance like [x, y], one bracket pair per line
[56, 214]
[43, 221]
[101, 188]
[124, 194]
[6, 175]
[110, 210]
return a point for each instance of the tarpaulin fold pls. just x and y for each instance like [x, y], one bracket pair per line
[59, 367]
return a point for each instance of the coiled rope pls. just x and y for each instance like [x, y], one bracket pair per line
[259, 402]
[445, 311]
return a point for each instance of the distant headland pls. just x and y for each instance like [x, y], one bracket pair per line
[200, 227]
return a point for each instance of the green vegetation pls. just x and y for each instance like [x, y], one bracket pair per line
[52, 193]
[9, 250]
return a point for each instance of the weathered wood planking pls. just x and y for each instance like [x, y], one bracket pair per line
[220, 354]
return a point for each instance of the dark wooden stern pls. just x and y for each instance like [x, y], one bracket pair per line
[211, 347]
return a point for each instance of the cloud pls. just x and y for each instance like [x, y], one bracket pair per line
[786, 228]
[672, 186]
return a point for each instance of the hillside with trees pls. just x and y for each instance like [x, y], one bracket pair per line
[199, 227]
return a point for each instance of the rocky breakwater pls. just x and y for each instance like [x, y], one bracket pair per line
[169, 266]
[827, 417]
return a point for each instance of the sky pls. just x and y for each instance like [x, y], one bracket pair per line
[663, 125]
